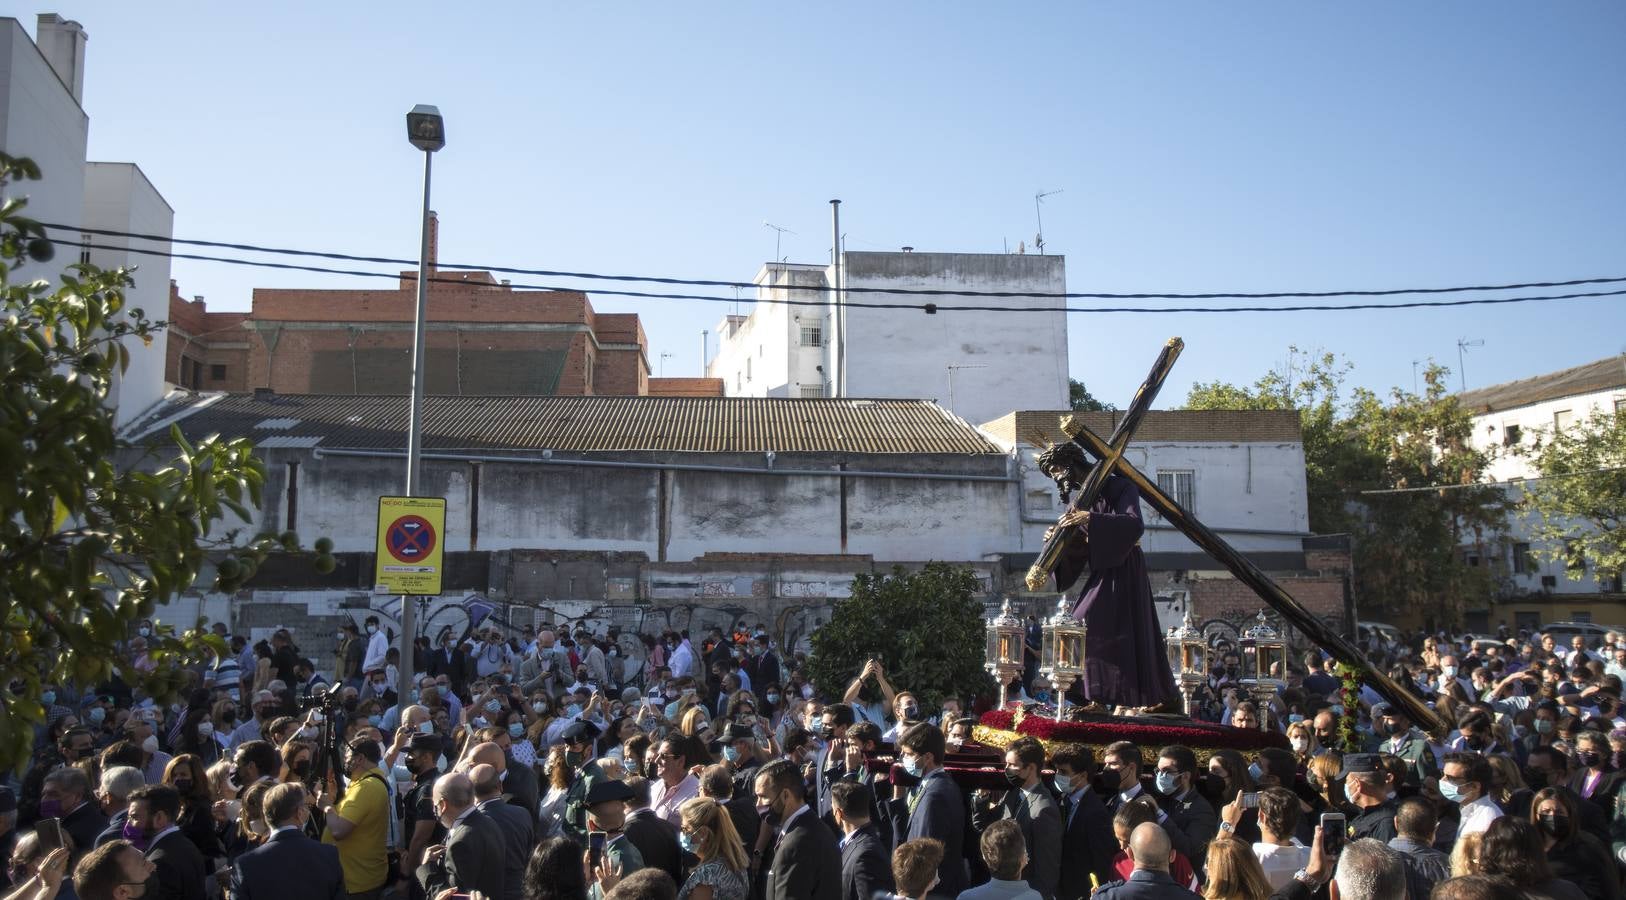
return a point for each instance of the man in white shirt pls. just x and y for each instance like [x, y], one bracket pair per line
[1467, 782]
[378, 646]
[1280, 854]
[682, 661]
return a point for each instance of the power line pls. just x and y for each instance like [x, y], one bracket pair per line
[928, 308]
[930, 292]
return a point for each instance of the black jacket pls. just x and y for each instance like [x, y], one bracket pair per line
[806, 864]
[85, 824]
[520, 787]
[289, 865]
[1087, 846]
[1145, 884]
[473, 860]
[1192, 824]
[518, 838]
[180, 865]
[865, 867]
[657, 842]
[939, 812]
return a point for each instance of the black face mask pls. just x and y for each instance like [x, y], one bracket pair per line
[229, 717]
[1014, 776]
[302, 768]
[1589, 758]
[1554, 824]
[1536, 779]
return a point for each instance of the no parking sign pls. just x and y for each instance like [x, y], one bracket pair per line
[411, 531]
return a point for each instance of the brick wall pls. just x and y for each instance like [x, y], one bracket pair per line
[1223, 597]
[209, 339]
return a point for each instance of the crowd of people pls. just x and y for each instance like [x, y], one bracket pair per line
[544, 764]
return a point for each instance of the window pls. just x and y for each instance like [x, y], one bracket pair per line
[1562, 419]
[1041, 500]
[1180, 484]
[84, 249]
[812, 391]
[1473, 559]
[1523, 564]
[812, 336]
[1581, 615]
[217, 372]
[1511, 435]
[1620, 406]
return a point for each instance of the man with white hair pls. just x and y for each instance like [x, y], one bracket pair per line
[118, 783]
[1368, 870]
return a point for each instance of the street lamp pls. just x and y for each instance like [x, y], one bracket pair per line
[1005, 644]
[1264, 663]
[1189, 649]
[426, 130]
[1062, 651]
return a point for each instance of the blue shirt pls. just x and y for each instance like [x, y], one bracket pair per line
[999, 889]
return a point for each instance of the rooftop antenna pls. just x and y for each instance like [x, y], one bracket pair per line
[664, 358]
[1414, 364]
[955, 367]
[779, 232]
[1038, 200]
[1463, 345]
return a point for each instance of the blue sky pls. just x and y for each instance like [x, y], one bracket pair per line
[1200, 146]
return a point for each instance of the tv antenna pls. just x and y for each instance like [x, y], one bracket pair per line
[779, 233]
[1038, 214]
[664, 358]
[955, 367]
[1463, 346]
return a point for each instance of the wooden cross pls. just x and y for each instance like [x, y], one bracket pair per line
[1110, 453]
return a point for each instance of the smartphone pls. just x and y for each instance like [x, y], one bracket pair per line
[1332, 833]
[595, 847]
[1250, 800]
[50, 833]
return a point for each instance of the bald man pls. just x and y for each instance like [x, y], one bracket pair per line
[518, 834]
[519, 785]
[1150, 847]
[472, 857]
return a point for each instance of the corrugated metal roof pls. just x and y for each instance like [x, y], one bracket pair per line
[682, 424]
[1603, 375]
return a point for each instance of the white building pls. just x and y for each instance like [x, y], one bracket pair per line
[41, 118]
[978, 363]
[1511, 416]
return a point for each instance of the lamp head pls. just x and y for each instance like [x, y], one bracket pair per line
[425, 128]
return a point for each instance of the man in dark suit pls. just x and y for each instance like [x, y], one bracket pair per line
[656, 838]
[180, 870]
[448, 660]
[288, 864]
[65, 794]
[806, 864]
[762, 665]
[865, 867]
[472, 857]
[717, 786]
[1031, 807]
[1087, 842]
[1191, 821]
[519, 786]
[518, 835]
[830, 764]
[934, 808]
[118, 783]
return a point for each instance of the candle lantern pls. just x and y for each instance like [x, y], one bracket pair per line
[1264, 663]
[1188, 650]
[1005, 643]
[1062, 659]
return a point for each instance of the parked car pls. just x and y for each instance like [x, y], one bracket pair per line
[1563, 631]
[1388, 633]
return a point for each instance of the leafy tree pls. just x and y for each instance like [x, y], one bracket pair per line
[927, 623]
[1080, 398]
[1407, 545]
[1582, 482]
[87, 548]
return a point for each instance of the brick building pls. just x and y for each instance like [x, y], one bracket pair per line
[483, 338]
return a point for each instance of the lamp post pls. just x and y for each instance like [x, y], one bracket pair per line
[1189, 650]
[426, 130]
[1264, 654]
[1004, 658]
[1062, 659]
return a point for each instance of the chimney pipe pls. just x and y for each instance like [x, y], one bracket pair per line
[908, 249]
[62, 43]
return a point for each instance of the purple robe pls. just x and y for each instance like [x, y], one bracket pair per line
[1125, 660]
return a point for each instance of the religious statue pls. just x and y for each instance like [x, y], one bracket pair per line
[1125, 660]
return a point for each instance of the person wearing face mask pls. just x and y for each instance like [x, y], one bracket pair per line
[1397, 736]
[682, 660]
[723, 872]
[1573, 854]
[806, 862]
[358, 821]
[1466, 781]
[1367, 786]
[578, 740]
[288, 864]
[1028, 803]
[933, 808]
[518, 831]
[65, 794]
[1087, 843]
[1595, 780]
[420, 823]
[471, 858]
[741, 755]
[187, 776]
[378, 645]
[180, 868]
[118, 783]
[115, 871]
[906, 710]
[1191, 820]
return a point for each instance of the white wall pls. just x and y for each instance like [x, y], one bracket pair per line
[907, 353]
[1239, 488]
[1535, 421]
[119, 197]
[39, 119]
[762, 355]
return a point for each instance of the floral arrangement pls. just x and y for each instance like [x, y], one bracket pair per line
[1349, 696]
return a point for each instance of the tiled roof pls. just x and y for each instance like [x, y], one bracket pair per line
[1243, 426]
[1603, 375]
[580, 424]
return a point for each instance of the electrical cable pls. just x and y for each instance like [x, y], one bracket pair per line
[928, 292]
[929, 308]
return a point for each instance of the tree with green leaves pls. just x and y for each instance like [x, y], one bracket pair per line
[1080, 398]
[88, 548]
[927, 623]
[1578, 499]
[1408, 545]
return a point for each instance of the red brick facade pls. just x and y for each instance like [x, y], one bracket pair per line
[206, 351]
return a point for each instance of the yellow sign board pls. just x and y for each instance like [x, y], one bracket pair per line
[411, 538]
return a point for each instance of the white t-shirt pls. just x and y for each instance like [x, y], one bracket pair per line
[1280, 862]
[1477, 816]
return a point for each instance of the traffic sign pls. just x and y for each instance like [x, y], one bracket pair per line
[411, 532]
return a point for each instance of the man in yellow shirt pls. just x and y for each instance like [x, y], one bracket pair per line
[359, 823]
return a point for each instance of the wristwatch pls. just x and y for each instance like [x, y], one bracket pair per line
[1303, 877]
[1227, 827]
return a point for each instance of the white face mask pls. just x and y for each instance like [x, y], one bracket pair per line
[371, 628]
[1301, 745]
[150, 745]
[206, 729]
